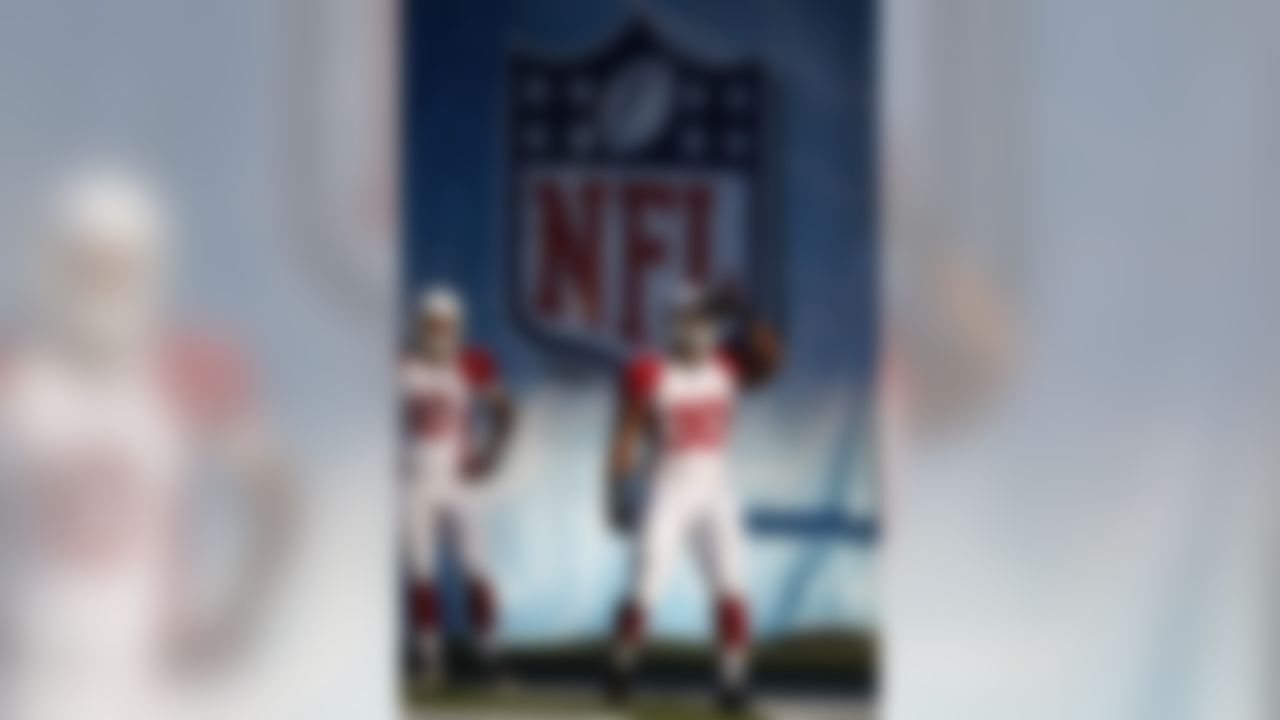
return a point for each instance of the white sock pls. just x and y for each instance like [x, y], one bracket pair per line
[734, 667]
[431, 648]
[625, 655]
[486, 646]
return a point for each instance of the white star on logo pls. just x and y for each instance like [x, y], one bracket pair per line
[581, 91]
[738, 98]
[583, 139]
[693, 141]
[536, 138]
[536, 91]
[693, 96]
[736, 143]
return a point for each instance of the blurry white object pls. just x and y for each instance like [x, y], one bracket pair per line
[1094, 542]
[442, 303]
[108, 268]
[108, 411]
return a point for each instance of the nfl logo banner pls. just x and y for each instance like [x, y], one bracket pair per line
[634, 170]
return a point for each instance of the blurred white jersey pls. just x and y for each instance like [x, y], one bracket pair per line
[439, 400]
[690, 498]
[693, 406]
[95, 459]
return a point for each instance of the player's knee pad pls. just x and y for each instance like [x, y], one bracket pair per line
[630, 626]
[733, 621]
[426, 606]
[482, 604]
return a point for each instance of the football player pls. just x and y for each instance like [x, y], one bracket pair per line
[678, 407]
[106, 409]
[457, 419]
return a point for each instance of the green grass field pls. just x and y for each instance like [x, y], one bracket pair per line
[840, 659]
[550, 704]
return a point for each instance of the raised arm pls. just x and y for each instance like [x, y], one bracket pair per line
[755, 346]
[759, 352]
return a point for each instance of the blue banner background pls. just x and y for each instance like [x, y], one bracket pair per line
[802, 446]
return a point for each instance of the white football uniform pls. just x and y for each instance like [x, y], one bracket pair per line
[439, 498]
[691, 498]
[95, 464]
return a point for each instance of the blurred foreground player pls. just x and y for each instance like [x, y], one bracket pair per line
[679, 407]
[106, 410]
[448, 390]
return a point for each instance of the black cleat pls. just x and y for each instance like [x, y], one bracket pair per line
[733, 701]
[425, 672]
[617, 688]
[489, 671]
[430, 677]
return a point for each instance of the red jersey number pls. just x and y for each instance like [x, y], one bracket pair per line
[701, 425]
[89, 509]
[432, 416]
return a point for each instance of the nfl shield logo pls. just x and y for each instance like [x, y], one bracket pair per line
[633, 170]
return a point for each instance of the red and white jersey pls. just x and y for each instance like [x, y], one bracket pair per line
[93, 465]
[693, 405]
[439, 399]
